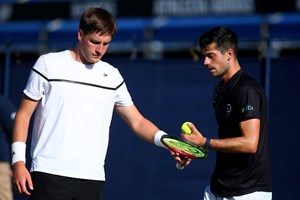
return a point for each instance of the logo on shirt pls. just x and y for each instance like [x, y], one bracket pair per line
[228, 109]
[247, 108]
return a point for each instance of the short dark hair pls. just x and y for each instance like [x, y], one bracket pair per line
[97, 20]
[223, 37]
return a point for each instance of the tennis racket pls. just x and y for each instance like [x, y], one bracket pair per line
[184, 148]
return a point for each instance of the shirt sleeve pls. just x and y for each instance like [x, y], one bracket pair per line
[123, 97]
[249, 103]
[37, 82]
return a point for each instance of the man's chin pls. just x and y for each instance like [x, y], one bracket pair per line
[94, 60]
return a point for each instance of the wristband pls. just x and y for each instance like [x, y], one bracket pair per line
[207, 145]
[157, 137]
[18, 151]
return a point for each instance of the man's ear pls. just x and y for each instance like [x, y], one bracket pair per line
[79, 34]
[229, 54]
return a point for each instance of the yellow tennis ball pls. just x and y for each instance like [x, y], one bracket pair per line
[185, 128]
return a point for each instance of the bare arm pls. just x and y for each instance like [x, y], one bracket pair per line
[246, 143]
[22, 120]
[144, 128]
[20, 132]
[137, 122]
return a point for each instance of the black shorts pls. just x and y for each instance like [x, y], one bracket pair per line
[53, 187]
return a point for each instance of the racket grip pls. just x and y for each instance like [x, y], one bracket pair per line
[179, 167]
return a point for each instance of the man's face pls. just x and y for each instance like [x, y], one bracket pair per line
[215, 61]
[92, 46]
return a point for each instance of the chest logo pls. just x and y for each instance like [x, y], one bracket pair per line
[228, 109]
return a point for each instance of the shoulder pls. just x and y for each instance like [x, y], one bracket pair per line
[52, 57]
[246, 81]
[50, 63]
[248, 87]
[58, 53]
[105, 66]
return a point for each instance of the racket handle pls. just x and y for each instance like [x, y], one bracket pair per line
[179, 167]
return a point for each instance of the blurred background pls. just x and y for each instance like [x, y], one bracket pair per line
[156, 50]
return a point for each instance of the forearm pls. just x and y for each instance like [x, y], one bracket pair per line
[145, 129]
[20, 133]
[22, 119]
[20, 130]
[140, 125]
[233, 145]
[246, 143]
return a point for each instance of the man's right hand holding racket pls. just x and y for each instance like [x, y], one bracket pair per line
[181, 161]
[182, 149]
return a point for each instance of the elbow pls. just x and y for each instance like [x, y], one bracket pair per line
[252, 148]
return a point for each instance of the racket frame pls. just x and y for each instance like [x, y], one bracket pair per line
[182, 141]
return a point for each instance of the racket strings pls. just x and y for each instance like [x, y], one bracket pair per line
[184, 148]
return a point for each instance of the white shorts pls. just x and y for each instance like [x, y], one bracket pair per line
[208, 195]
